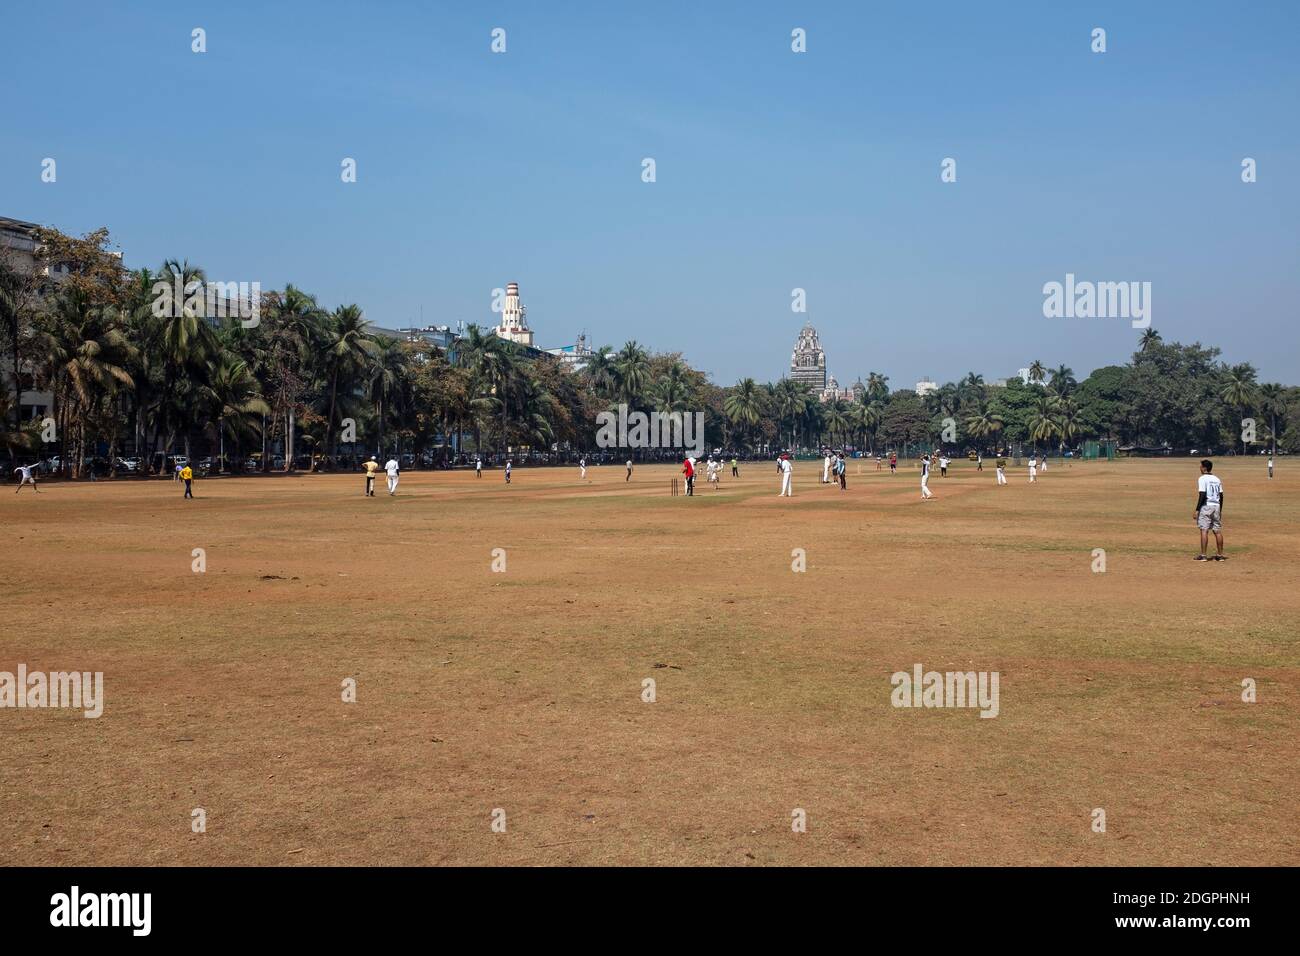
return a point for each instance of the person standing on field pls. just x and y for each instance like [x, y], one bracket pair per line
[372, 469]
[688, 473]
[842, 468]
[393, 471]
[1002, 469]
[582, 466]
[893, 462]
[1270, 467]
[508, 464]
[826, 466]
[735, 468]
[478, 467]
[943, 466]
[1033, 468]
[187, 476]
[787, 473]
[25, 477]
[926, 493]
[629, 470]
[1209, 510]
[979, 462]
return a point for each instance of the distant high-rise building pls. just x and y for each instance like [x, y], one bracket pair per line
[808, 361]
[514, 318]
[925, 387]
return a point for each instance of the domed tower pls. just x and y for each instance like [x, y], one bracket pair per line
[808, 361]
[514, 318]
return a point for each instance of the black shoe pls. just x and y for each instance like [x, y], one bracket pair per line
[1201, 557]
[1220, 557]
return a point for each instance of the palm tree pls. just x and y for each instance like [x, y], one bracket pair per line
[1067, 421]
[983, 423]
[238, 404]
[84, 351]
[1272, 399]
[1239, 391]
[672, 392]
[1042, 423]
[383, 381]
[1037, 372]
[877, 386]
[601, 373]
[633, 367]
[1063, 380]
[292, 321]
[867, 415]
[743, 406]
[1150, 339]
[348, 350]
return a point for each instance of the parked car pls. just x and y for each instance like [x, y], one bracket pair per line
[129, 464]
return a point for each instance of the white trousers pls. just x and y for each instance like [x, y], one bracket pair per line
[925, 487]
[1033, 474]
[392, 483]
[1002, 477]
[785, 485]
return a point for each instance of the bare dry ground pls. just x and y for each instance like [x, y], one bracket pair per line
[522, 690]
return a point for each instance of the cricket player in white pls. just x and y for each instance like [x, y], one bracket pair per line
[582, 464]
[826, 467]
[478, 467]
[714, 469]
[1209, 511]
[1042, 465]
[26, 478]
[392, 469]
[925, 478]
[1033, 469]
[787, 470]
[1002, 470]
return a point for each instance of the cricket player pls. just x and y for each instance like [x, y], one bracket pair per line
[979, 462]
[841, 468]
[715, 472]
[1209, 510]
[582, 467]
[735, 468]
[893, 462]
[688, 469]
[1042, 465]
[1002, 469]
[1270, 467]
[1033, 468]
[943, 466]
[393, 471]
[926, 493]
[478, 467]
[187, 476]
[372, 469]
[787, 472]
[508, 465]
[826, 466]
[26, 478]
[629, 470]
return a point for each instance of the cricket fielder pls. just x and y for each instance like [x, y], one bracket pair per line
[393, 471]
[26, 478]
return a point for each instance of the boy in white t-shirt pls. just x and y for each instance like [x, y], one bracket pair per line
[1209, 510]
[391, 467]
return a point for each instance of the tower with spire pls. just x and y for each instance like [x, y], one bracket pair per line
[514, 318]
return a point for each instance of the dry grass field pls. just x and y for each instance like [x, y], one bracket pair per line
[522, 690]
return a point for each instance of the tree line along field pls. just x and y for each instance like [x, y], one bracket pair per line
[521, 689]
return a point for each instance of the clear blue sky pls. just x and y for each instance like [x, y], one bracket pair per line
[775, 170]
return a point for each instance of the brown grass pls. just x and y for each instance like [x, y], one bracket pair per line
[522, 690]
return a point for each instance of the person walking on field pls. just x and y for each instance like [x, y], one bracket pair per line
[1209, 511]
[393, 471]
[893, 462]
[1002, 469]
[187, 476]
[372, 469]
[787, 472]
[25, 477]
[629, 470]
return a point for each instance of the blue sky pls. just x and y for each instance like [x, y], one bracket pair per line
[775, 170]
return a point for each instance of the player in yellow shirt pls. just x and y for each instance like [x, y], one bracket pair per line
[187, 476]
[372, 469]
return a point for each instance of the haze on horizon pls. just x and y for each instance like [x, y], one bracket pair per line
[775, 170]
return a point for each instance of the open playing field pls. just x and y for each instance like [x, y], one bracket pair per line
[522, 690]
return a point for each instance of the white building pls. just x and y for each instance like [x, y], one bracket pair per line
[925, 387]
[514, 318]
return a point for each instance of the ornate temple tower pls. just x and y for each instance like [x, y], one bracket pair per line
[514, 318]
[808, 362]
